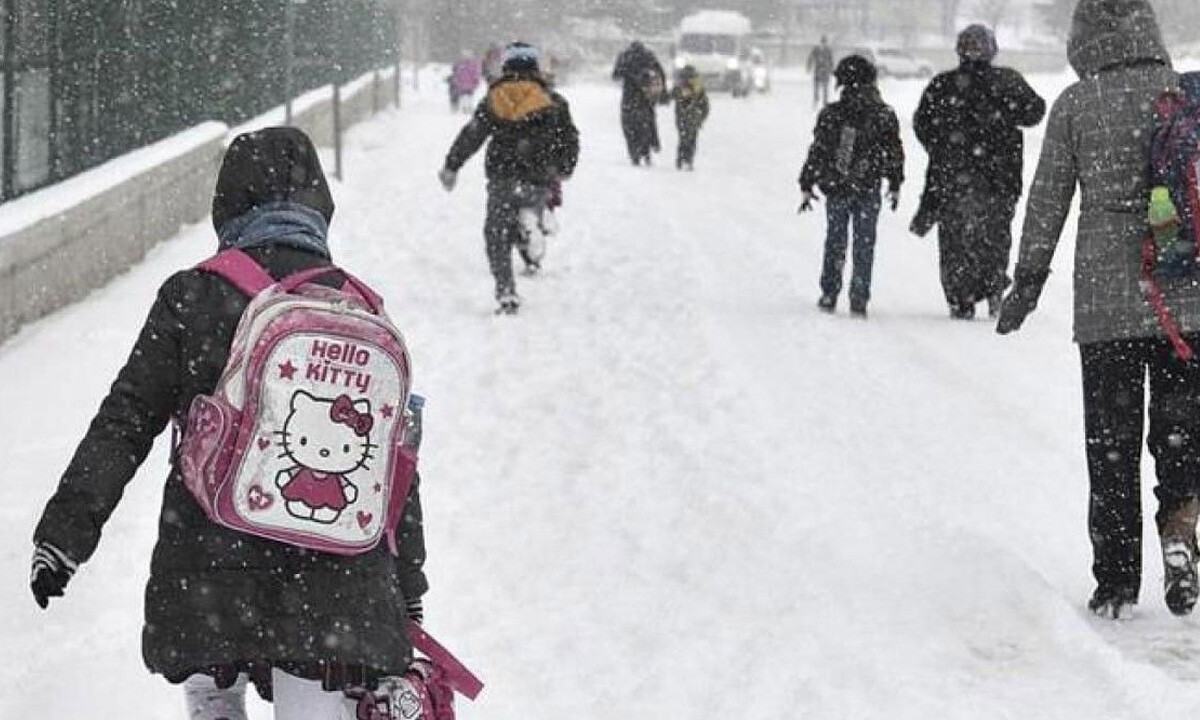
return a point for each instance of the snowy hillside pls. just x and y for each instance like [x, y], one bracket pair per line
[670, 488]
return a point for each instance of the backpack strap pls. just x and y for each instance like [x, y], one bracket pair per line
[460, 678]
[239, 270]
[1158, 301]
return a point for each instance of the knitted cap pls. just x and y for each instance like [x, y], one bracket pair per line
[977, 43]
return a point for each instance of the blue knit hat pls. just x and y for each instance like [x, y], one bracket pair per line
[520, 57]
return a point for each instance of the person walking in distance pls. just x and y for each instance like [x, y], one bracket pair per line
[1099, 138]
[643, 86]
[820, 64]
[691, 110]
[534, 145]
[969, 120]
[856, 145]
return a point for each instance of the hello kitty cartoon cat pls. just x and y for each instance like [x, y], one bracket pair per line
[327, 440]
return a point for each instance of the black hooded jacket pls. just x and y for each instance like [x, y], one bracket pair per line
[219, 601]
[533, 138]
[856, 145]
[970, 121]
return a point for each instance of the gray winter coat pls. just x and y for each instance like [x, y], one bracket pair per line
[1098, 137]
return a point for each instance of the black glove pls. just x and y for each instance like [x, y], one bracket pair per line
[52, 570]
[806, 201]
[1021, 300]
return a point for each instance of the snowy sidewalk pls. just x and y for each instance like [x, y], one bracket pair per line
[670, 488]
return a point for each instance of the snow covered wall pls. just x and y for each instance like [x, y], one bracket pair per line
[60, 243]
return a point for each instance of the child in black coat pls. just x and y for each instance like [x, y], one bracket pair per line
[856, 146]
[691, 110]
[223, 608]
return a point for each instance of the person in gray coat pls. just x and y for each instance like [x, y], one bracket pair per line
[1099, 138]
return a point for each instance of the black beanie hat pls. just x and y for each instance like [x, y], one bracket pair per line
[275, 164]
[854, 70]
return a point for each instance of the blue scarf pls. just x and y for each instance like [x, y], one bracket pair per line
[278, 223]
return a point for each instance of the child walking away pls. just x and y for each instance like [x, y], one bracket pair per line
[856, 146]
[534, 144]
[290, 546]
[691, 110]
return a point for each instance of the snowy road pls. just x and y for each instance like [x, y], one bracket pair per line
[670, 488]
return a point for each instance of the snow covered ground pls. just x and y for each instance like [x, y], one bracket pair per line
[670, 488]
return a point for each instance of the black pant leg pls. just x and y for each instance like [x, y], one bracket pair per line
[687, 144]
[951, 257]
[500, 233]
[1174, 438]
[996, 245]
[1113, 401]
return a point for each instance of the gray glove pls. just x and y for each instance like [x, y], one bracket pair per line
[448, 177]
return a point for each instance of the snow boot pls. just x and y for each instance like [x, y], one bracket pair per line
[510, 304]
[827, 303]
[962, 312]
[1113, 603]
[1177, 530]
[858, 309]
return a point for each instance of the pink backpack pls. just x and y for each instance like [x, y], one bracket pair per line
[302, 441]
[425, 691]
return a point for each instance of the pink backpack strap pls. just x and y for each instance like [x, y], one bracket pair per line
[460, 678]
[1158, 301]
[240, 270]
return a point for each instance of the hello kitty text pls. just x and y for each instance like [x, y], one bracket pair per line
[339, 364]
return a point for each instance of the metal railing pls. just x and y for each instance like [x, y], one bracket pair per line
[83, 82]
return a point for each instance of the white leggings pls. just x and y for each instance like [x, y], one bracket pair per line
[295, 699]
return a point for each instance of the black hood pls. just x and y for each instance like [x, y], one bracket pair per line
[276, 164]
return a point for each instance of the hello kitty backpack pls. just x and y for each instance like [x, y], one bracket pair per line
[302, 441]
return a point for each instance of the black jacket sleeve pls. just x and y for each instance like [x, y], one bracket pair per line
[820, 153]
[565, 138]
[925, 122]
[411, 540]
[472, 137]
[138, 407]
[893, 151]
[1019, 102]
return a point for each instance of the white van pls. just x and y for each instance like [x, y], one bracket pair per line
[717, 44]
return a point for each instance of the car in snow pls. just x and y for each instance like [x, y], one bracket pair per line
[893, 62]
[717, 44]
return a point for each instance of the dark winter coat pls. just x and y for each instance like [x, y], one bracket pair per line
[217, 600]
[856, 145]
[637, 68]
[691, 105]
[1098, 138]
[970, 121]
[533, 138]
